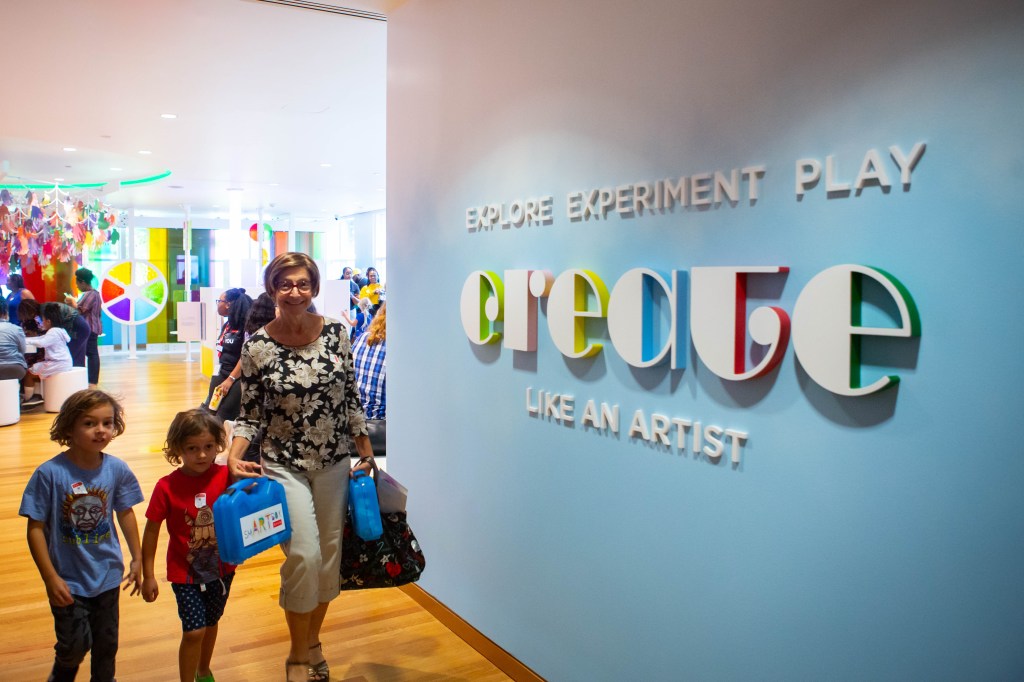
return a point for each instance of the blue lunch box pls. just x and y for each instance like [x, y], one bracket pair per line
[249, 517]
[363, 506]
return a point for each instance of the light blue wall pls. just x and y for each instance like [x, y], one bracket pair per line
[871, 538]
[363, 228]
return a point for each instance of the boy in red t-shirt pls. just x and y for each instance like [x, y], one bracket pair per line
[184, 499]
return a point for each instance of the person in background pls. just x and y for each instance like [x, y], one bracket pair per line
[54, 342]
[16, 284]
[298, 385]
[71, 502]
[360, 322]
[12, 347]
[372, 290]
[89, 306]
[234, 305]
[369, 357]
[261, 313]
[353, 294]
[359, 279]
[63, 316]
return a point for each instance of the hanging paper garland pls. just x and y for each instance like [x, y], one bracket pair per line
[133, 292]
[51, 226]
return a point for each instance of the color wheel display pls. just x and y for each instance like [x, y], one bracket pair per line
[133, 292]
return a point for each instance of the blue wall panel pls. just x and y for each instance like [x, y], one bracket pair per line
[858, 538]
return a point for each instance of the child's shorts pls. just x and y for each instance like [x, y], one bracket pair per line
[201, 606]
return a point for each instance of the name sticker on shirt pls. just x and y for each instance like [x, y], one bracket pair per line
[200, 500]
[78, 488]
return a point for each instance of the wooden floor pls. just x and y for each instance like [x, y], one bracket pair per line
[371, 635]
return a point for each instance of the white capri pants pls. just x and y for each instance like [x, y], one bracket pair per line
[317, 500]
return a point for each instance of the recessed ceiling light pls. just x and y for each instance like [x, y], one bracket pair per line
[70, 149]
[325, 165]
[273, 184]
[174, 186]
[115, 168]
[168, 116]
[58, 179]
[145, 151]
[234, 189]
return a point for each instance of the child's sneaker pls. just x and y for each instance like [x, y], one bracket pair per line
[34, 401]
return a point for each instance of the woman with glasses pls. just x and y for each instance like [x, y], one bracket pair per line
[299, 386]
[234, 305]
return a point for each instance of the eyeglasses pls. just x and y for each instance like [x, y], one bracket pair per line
[286, 286]
[222, 300]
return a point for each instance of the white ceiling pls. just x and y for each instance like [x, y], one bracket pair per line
[264, 94]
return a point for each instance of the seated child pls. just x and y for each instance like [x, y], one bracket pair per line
[54, 342]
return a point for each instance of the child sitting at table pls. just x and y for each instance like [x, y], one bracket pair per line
[54, 342]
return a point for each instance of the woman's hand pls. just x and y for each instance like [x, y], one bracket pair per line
[364, 464]
[365, 452]
[223, 387]
[240, 468]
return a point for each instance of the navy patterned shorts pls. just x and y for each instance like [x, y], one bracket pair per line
[201, 606]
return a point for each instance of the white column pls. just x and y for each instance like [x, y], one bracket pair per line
[186, 242]
[129, 329]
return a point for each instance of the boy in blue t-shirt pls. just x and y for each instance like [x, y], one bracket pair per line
[70, 502]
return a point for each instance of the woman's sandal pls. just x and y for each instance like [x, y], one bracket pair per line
[290, 665]
[319, 672]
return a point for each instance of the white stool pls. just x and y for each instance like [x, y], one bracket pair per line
[59, 387]
[10, 401]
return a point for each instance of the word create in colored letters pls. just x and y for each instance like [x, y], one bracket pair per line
[708, 302]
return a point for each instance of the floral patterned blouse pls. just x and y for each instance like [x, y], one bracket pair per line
[305, 397]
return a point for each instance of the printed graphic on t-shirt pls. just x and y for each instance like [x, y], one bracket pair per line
[203, 560]
[84, 516]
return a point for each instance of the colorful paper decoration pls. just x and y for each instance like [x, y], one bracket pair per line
[133, 292]
[50, 226]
